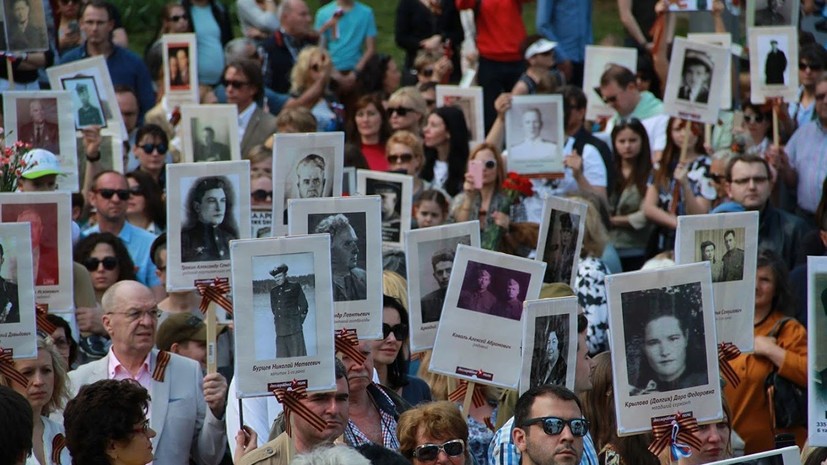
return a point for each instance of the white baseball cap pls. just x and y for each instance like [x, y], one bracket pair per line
[540, 46]
[40, 163]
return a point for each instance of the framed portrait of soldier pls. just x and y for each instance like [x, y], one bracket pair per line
[93, 95]
[305, 166]
[549, 342]
[772, 13]
[210, 133]
[698, 73]
[50, 217]
[773, 57]
[479, 329]
[43, 119]
[208, 205]
[534, 135]
[719, 40]
[354, 225]
[469, 100]
[560, 239]
[396, 191]
[429, 256]
[785, 456]
[663, 321]
[17, 307]
[729, 242]
[180, 65]
[111, 144]
[284, 332]
[817, 350]
[25, 26]
[597, 59]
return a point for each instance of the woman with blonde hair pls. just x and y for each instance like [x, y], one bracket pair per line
[405, 154]
[312, 65]
[407, 110]
[432, 430]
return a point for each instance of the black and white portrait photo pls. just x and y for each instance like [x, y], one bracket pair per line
[209, 132]
[25, 25]
[211, 145]
[347, 252]
[17, 291]
[775, 64]
[664, 331]
[560, 246]
[434, 278]
[493, 290]
[550, 352]
[724, 249]
[211, 220]
[9, 301]
[391, 194]
[772, 13]
[534, 127]
[697, 76]
[773, 57]
[87, 102]
[817, 349]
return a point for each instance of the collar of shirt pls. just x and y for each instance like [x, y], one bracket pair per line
[117, 371]
[244, 119]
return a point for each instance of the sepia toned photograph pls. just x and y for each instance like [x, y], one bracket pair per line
[25, 26]
[469, 100]
[493, 290]
[180, 66]
[534, 134]
[772, 13]
[549, 342]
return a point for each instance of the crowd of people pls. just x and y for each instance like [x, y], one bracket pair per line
[123, 381]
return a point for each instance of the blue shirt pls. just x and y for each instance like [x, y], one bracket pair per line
[569, 23]
[502, 450]
[125, 68]
[807, 150]
[208, 41]
[353, 28]
[137, 242]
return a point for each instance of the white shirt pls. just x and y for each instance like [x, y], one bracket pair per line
[244, 119]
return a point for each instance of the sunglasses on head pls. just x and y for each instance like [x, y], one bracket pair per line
[554, 425]
[802, 65]
[234, 83]
[400, 158]
[122, 194]
[176, 18]
[261, 195]
[109, 263]
[759, 118]
[400, 331]
[149, 148]
[430, 452]
[401, 111]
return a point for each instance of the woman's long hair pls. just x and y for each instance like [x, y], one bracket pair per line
[84, 248]
[457, 153]
[672, 152]
[783, 300]
[351, 129]
[398, 370]
[154, 207]
[642, 167]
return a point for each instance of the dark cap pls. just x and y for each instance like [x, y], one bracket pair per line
[180, 327]
[278, 270]
[385, 188]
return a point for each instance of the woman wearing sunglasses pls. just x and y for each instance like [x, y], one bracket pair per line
[173, 20]
[145, 207]
[370, 128]
[107, 260]
[68, 30]
[405, 155]
[314, 65]
[755, 130]
[434, 433]
[406, 110]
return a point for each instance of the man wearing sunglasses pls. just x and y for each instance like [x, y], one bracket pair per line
[549, 426]
[243, 84]
[618, 88]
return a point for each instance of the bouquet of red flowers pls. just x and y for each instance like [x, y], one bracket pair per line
[514, 188]
[11, 162]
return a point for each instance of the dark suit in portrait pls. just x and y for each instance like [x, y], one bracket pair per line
[204, 242]
[353, 287]
[481, 301]
[733, 265]
[289, 306]
[685, 93]
[212, 152]
[9, 305]
[775, 66]
[46, 136]
[432, 305]
[30, 38]
[89, 115]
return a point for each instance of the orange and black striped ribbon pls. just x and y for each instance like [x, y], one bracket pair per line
[291, 398]
[58, 443]
[161, 363]
[679, 432]
[214, 292]
[347, 342]
[726, 352]
[43, 323]
[8, 370]
[477, 397]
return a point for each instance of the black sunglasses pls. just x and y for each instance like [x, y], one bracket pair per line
[400, 331]
[261, 195]
[136, 191]
[122, 194]
[109, 263]
[554, 425]
[234, 83]
[754, 118]
[401, 158]
[176, 18]
[149, 148]
[490, 164]
[401, 111]
[813, 66]
[430, 452]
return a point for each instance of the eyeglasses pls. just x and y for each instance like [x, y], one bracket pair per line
[122, 194]
[804, 65]
[401, 111]
[400, 331]
[430, 452]
[176, 18]
[234, 83]
[261, 195]
[136, 191]
[490, 164]
[554, 425]
[400, 158]
[820, 97]
[754, 118]
[610, 99]
[755, 179]
[109, 263]
[149, 148]
[139, 314]
[144, 428]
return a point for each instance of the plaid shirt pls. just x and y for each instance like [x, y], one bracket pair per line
[387, 412]
[502, 450]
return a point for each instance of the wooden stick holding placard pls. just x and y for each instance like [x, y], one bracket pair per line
[466, 403]
[212, 362]
[776, 137]
[708, 134]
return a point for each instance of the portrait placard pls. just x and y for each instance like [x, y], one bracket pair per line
[562, 229]
[469, 100]
[534, 134]
[697, 75]
[773, 56]
[110, 152]
[287, 332]
[210, 133]
[50, 215]
[598, 58]
[772, 13]
[208, 205]
[817, 350]
[43, 119]
[691, 5]
[180, 64]
[25, 26]
[786, 456]
[93, 95]
[355, 227]
[477, 336]
[664, 322]
[549, 342]
[429, 256]
[396, 191]
[18, 330]
[719, 40]
[729, 242]
[305, 166]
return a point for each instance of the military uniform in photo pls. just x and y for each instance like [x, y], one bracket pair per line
[432, 305]
[205, 242]
[289, 306]
[9, 305]
[733, 265]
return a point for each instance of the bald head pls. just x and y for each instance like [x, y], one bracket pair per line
[120, 293]
[130, 314]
